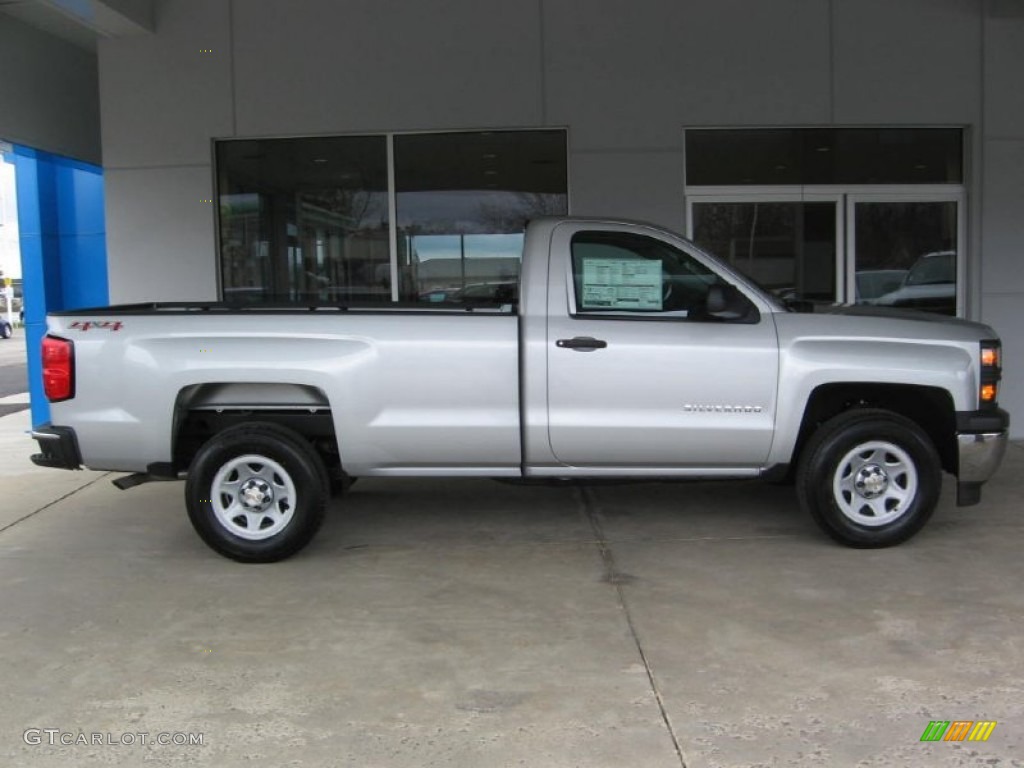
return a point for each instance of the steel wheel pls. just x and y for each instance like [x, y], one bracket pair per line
[875, 483]
[869, 477]
[256, 492]
[253, 497]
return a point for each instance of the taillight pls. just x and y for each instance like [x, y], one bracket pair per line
[991, 373]
[58, 369]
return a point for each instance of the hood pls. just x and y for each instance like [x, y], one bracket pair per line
[904, 315]
[874, 310]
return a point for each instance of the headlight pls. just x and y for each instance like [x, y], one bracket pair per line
[991, 372]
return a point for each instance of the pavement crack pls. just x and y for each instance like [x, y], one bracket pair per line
[619, 580]
[46, 506]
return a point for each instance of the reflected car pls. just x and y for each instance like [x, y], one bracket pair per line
[930, 284]
[439, 295]
[505, 292]
[875, 283]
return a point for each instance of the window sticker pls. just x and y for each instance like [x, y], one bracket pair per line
[621, 284]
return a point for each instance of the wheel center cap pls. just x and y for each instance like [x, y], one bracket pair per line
[871, 481]
[256, 494]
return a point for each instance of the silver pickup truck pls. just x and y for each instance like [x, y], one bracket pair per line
[624, 352]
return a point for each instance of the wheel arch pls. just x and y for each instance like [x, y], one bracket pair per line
[203, 410]
[931, 408]
[250, 395]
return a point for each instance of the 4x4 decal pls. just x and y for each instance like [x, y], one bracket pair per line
[85, 325]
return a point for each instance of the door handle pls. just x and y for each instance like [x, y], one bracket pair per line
[581, 343]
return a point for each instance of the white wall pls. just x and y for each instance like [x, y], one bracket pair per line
[1002, 194]
[625, 78]
[10, 245]
[49, 96]
[162, 100]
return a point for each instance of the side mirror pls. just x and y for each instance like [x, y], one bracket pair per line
[716, 300]
[504, 294]
[802, 306]
[725, 302]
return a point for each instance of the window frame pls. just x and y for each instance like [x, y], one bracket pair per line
[848, 195]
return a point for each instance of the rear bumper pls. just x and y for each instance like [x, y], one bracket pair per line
[58, 446]
[981, 437]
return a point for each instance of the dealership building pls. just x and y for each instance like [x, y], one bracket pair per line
[309, 151]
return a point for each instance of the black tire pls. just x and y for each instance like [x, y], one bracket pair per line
[286, 487]
[877, 496]
[5, 330]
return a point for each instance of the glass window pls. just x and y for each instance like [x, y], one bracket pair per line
[905, 254]
[307, 220]
[774, 156]
[463, 200]
[304, 220]
[620, 272]
[787, 247]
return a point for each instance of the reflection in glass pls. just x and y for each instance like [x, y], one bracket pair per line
[906, 255]
[788, 247]
[463, 200]
[304, 220]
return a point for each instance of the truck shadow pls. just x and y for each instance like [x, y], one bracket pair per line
[445, 512]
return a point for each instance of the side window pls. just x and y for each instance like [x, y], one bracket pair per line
[627, 273]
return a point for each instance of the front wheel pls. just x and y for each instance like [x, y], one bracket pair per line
[870, 478]
[5, 330]
[257, 492]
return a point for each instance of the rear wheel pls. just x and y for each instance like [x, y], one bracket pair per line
[257, 492]
[869, 478]
[5, 330]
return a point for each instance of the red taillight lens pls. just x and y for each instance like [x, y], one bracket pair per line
[58, 369]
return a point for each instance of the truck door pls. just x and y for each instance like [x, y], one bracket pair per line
[642, 372]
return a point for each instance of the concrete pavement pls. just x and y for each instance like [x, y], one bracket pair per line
[468, 623]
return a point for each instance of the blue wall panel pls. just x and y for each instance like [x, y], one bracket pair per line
[63, 248]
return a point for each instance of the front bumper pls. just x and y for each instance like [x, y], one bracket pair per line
[981, 438]
[59, 447]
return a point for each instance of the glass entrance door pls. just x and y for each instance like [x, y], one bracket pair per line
[789, 245]
[905, 252]
[901, 247]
